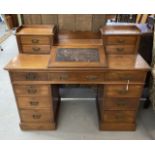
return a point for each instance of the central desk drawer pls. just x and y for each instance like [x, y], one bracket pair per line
[45, 40]
[119, 116]
[110, 40]
[34, 102]
[36, 115]
[77, 76]
[29, 76]
[32, 90]
[132, 76]
[36, 49]
[121, 90]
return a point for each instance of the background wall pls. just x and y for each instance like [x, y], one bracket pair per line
[68, 22]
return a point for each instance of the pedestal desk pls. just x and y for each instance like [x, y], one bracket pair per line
[109, 60]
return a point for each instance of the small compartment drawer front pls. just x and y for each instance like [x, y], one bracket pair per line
[120, 49]
[119, 116]
[34, 102]
[36, 49]
[44, 40]
[29, 76]
[76, 76]
[121, 103]
[110, 40]
[32, 90]
[121, 90]
[36, 115]
[132, 76]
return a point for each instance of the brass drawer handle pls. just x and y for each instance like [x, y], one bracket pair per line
[31, 90]
[35, 49]
[34, 103]
[30, 76]
[121, 41]
[124, 91]
[121, 103]
[119, 116]
[36, 116]
[120, 49]
[92, 77]
[35, 41]
[63, 77]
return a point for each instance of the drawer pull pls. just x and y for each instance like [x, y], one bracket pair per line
[120, 49]
[36, 116]
[31, 90]
[121, 41]
[30, 76]
[124, 91]
[34, 103]
[36, 49]
[91, 77]
[35, 41]
[119, 116]
[121, 103]
[63, 77]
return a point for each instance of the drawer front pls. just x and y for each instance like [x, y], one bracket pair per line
[32, 90]
[119, 116]
[76, 76]
[121, 49]
[34, 102]
[110, 40]
[45, 40]
[121, 103]
[121, 91]
[132, 76]
[36, 49]
[29, 76]
[36, 115]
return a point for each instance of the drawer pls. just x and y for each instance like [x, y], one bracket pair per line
[121, 90]
[29, 76]
[36, 49]
[132, 76]
[36, 115]
[120, 103]
[34, 102]
[121, 49]
[119, 116]
[35, 40]
[32, 90]
[76, 76]
[110, 40]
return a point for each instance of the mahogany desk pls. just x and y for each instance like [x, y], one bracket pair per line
[119, 79]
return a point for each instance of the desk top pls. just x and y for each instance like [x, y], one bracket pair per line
[40, 62]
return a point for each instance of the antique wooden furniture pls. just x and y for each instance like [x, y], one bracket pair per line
[80, 59]
[37, 39]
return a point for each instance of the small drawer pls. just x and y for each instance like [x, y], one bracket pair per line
[132, 76]
[120, 103]
[119, 116]
[76, 76]
[110, 40]
[29, 76]
[34, 102]
[36, 115]
[44, 40]
[122, 91]
[32, 90]
[36, 49]
[120, 49]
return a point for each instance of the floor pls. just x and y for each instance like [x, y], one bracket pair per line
[77, 119]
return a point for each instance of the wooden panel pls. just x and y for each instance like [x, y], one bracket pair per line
[98, 22]
[83, 22]
[49, 19]
[119, 116]
[120, 103]
[41, 115]
[32, 90]
[66, 22]
[121, 90]
[34, 102]
[36, 19]
[36, 49]
[27, 19]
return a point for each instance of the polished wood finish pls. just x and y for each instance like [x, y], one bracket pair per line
[119, 77]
